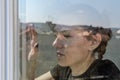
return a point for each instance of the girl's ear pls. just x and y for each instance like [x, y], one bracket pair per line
[96, 41]
[98, 37]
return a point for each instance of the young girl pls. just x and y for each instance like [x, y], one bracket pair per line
[80, 50]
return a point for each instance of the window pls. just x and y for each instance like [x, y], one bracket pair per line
[15, 14]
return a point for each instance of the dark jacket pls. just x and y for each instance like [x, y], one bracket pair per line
[99, 70]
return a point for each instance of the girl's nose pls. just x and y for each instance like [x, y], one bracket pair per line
[58, 42]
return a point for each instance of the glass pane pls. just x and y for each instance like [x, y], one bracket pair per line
[46, 58]
[41, 19]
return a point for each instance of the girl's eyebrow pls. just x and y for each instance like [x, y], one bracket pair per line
[65, 32]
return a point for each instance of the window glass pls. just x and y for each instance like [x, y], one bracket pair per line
[36, 17]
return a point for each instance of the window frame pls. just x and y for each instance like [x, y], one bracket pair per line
[9, 69]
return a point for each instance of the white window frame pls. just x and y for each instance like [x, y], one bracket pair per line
[9, 39]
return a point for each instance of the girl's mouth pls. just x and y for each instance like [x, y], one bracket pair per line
[60, 53]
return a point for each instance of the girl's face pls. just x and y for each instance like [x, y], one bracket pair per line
[71, 47]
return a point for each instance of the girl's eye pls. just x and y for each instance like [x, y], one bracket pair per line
[67, 36]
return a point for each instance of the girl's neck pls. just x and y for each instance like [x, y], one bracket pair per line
[78, 69]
